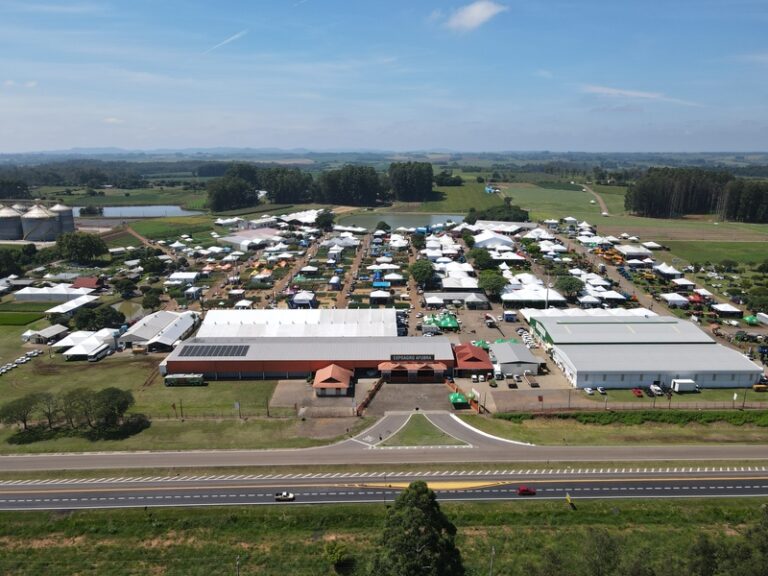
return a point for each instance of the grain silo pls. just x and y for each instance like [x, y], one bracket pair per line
[40, 224]
[66, 218]
[10, 224]
[20, 208]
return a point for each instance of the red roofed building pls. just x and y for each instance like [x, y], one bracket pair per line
[471, 360]
[332, 380]
[92, 282]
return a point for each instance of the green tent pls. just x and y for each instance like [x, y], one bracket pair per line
[444, 321]
[752, 320]
[457, 398]
[481, 344]
[503, 340]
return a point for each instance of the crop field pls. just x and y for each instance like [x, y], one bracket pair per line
[120, 239]
[291, 539]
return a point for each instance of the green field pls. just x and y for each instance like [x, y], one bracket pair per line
[11, 305]
[189, 199]
[453, 200]
[419, 431]
[526, 537]
[167, 228]
[558, 432]
[743, 252]
[20, 318]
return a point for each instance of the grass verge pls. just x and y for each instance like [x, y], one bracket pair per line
[277, 540]
[419, 431]
[553, 431]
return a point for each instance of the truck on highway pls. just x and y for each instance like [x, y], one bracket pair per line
[681, 385]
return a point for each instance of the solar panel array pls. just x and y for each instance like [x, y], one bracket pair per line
[208, 351]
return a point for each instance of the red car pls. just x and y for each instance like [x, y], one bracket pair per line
[526, 491]
[638, 392]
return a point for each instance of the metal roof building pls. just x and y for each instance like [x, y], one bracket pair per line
[250, 358]
[631, 365]
[613, 330]
[299, 323]
[160, 330]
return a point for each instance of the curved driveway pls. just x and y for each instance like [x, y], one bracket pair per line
[362, 450]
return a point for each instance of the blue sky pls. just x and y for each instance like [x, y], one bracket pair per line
[592, 75]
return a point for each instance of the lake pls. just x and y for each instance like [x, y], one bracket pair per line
[148, 211]
[396, 220]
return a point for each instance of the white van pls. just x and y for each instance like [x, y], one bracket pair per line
[474, 378]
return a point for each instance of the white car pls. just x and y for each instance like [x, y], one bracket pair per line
[589, 391]
[601, 390]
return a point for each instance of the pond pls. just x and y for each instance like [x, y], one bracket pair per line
[396, 220]
[147, 211]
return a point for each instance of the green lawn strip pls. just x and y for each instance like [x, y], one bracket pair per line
[419, 431]
[120, 240]
[290, 539]
[702, 251]
[11, 305]
[706, 398]
[459, 199]
[555, 431]
[254, 433]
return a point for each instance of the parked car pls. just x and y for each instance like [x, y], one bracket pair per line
[589, 391]
[637, 392]
[517, 378]
[601, 390]
[526, 491]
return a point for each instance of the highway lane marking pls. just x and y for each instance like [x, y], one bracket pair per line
[512, 481]
[198, 478]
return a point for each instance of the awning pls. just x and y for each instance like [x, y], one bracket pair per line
[412, 366]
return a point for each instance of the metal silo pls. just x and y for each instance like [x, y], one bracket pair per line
[66, 218]
[10, 224]
[40, 224]
[20, 208]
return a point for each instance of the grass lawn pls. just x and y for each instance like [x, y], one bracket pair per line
[173, 227]
[278, 540]
[454, 200]
[710, 395]
[419, 431]
[693, 251]
[254, 433]
[557, 432]
[120, 240]
[20, 318]
[11, 305]
[553, 203]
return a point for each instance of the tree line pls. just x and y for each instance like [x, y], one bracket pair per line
[675, 192]
[353, 185]
[81, 411]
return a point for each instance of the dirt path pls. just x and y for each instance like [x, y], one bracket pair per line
[600, 201]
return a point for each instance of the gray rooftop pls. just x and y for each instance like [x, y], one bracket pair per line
[327, 348]
[622, 330]
[508, 353]
[657, 358]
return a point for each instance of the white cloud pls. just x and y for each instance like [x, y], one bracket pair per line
[435, 16]
[542, 73]
[611, 92]
[9, 83]
[227, 41]
[30, 84]
[474, 15]
[112, 120]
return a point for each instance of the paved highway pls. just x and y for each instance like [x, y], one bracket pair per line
[365, 449]
[381, 487]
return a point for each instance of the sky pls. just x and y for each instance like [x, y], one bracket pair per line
[485, 75]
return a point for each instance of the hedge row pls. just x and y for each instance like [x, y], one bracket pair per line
[638, 417]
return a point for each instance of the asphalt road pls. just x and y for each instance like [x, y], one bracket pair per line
[381, 488]
[363, 449]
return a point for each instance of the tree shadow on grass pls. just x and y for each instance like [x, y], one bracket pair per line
[132, 425]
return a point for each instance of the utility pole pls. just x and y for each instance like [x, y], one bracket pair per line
[493, 554]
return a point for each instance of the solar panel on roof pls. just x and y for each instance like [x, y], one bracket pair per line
[208, 351]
